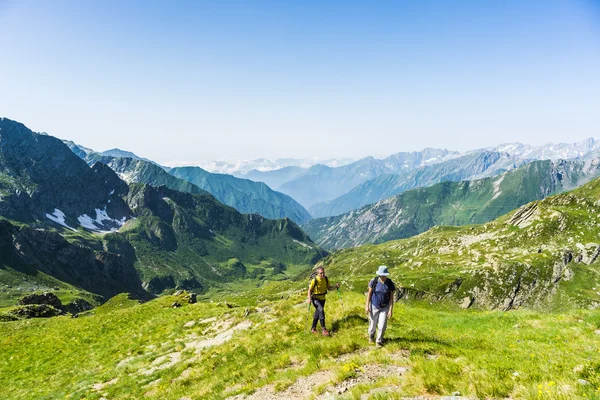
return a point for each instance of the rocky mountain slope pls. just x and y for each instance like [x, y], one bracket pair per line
[475, 165]
[322, 183]
[193, 241]
[132, 170]
[42, 180]
[244, 195]
[450, 203]
[158, 238]
[585, 149]
[544, 254]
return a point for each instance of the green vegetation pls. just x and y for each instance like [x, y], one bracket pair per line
[541, 255]
[124, 350]
[449, 203]
[244, 195]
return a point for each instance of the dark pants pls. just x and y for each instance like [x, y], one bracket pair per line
[319, 312]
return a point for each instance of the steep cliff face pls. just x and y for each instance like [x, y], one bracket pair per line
[39, 174]
[29, 252]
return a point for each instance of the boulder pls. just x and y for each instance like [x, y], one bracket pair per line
[36, 311]
[78, 305]
[44, 298]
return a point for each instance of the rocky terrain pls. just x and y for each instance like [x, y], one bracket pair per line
[543, 254]
[450, 203]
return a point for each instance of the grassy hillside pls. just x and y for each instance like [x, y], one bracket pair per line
[474, 165]
[450, 203]
[542, 255]
[217, 350]
[244, 195]
[253, 343]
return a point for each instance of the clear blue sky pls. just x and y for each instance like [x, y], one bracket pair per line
[185, 81]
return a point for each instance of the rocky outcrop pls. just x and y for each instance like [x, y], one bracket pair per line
[44, 298]
[28, 250]
[78, 306]
[35, 311]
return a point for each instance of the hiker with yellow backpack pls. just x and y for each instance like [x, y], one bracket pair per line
[317, 289]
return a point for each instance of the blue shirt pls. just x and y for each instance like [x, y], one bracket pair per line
[382, 292]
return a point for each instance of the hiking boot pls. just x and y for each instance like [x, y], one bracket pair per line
[379, 344]
[325, 332]
[313, 330]
[371, 339]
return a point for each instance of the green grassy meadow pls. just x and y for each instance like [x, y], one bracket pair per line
[127, 350]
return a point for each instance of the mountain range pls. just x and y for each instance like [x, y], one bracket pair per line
[83, 229]
[322, 183]
[474, 165]
[542, 255]
[471, 165]
[244, 195]
[450, 203]
[241, 167]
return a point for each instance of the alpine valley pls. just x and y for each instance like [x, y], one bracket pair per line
[124, 279]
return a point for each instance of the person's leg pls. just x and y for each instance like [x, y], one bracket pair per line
[316, 314]
[382, 324]
[373, 316]
[319, 313]
[322, 313]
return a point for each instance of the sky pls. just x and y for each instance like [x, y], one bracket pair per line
[188, 81]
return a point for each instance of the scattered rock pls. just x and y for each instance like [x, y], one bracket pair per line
[220, 338]
[99, 386]
[176, 305]
[467, 302]
[44, 298]
[162, 363]
[582, 382]
[193, 298]
[189, 324]
[78, 306]
[36, 311]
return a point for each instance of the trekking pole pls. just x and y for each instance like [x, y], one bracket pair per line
[308, 316]
[342, 301]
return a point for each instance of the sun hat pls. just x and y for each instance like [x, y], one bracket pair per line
[382, 271]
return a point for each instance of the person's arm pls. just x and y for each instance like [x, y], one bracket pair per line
[390, 312]
[331, 287]
[310, 289]
[369, 295]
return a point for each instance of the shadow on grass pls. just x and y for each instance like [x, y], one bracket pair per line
[418, 340]
[349, 321]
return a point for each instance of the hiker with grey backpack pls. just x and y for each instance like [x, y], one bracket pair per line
[380, 304]
[317, 289]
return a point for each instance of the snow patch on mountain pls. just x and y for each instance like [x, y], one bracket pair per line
[497, 182]
[102, 223]
[58, 217]
[550, 151]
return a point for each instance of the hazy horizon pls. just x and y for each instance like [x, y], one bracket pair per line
[233, 80]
